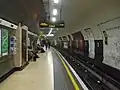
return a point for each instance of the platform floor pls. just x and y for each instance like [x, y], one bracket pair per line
[47, 73]
[36, 76]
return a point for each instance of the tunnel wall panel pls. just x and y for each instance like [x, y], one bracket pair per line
[90, 37]
[111, 42]
[91, 48]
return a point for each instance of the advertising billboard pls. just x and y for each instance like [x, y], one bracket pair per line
[0, 43]
[4, 42]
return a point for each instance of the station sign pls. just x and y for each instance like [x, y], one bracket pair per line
[59, 24]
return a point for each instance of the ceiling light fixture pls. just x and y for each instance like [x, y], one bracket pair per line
[50, 31]
[56, 1]
[50, 35]
[55, 12]
[53, 19]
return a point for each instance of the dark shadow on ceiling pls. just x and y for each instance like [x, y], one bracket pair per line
[29, 12]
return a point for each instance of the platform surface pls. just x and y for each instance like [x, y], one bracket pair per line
[36, 76]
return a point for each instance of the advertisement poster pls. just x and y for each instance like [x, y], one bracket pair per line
[0, 43]
[12, 45]
[4, 42]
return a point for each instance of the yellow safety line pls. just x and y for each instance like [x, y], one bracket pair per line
[69, 74]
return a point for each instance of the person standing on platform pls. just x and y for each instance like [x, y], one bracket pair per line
[48, 43]
[44, 44]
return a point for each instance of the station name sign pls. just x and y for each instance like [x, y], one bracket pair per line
[59, 24]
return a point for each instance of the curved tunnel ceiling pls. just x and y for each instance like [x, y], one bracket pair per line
[81, 14]
[29, 12]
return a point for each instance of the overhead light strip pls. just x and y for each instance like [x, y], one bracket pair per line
[49, 34]
[54, 19]
[50, 31]
[56, 1]
[55, 12]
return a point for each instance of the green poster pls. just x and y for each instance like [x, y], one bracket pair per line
[0, 43]
[4, 42]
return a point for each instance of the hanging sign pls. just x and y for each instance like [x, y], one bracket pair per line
[59, 24]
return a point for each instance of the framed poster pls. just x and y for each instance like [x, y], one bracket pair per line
[0, 43]
[12, 45]
[4, 42]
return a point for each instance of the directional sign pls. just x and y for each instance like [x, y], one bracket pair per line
[59, 24]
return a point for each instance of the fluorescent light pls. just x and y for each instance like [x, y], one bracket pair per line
[50, 31]
[56, 1]
[50, 35]
[55, 11]
[53, 19]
